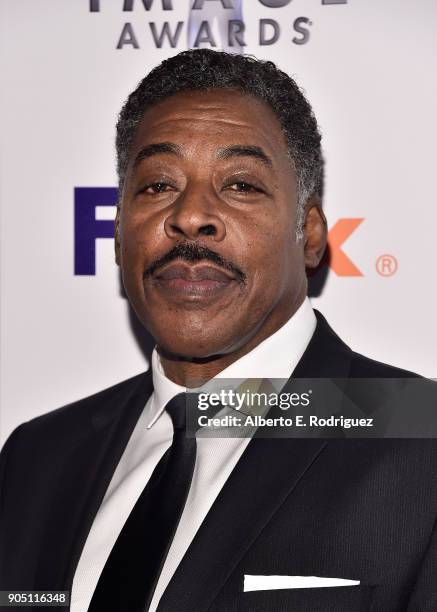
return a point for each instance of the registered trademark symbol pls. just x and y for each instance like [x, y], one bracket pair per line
[386, 265]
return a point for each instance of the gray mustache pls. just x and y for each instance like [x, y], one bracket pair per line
[192, 252]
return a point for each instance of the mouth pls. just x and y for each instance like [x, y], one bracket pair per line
[181, 281]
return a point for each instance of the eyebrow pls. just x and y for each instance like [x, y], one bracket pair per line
[245, 151]
[159, 148]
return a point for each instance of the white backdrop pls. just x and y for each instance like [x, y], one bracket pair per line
[368, 68]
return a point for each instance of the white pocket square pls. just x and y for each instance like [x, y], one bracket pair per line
[268, 583]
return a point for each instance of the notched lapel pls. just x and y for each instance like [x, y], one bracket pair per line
[266, 474]
[82, 484]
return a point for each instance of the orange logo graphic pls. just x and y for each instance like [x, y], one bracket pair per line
[337, 235]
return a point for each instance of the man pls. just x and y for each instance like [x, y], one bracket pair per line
[220, 169]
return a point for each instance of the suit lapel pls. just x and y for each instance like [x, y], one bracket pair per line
[251, 496]
[82, 483]
[264, 477]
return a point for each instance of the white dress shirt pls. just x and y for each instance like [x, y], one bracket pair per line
[275, 357]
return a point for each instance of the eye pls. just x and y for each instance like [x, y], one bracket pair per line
[244, 187]
[156, 188]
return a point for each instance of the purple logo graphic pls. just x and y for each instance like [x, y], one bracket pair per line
[87, 228]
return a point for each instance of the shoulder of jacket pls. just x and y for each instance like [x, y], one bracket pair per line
[75, 414]
[364, 367]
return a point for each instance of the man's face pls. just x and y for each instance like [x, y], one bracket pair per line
[206, 231]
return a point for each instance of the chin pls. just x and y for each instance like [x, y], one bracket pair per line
[191, 345]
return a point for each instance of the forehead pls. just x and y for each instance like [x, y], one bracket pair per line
[211, 120]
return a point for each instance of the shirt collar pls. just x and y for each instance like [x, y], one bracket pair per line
[275, 357]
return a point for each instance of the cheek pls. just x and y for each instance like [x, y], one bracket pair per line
[139, 242]
[273, 252]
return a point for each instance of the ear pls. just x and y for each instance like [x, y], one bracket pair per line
[117, 236]
[315, 232]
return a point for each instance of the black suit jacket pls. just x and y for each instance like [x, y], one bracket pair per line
[345, 508]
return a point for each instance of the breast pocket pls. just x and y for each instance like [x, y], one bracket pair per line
[332, 599]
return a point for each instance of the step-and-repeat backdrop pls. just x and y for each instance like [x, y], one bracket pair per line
[368, 68]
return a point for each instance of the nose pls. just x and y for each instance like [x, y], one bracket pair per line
[195, 214]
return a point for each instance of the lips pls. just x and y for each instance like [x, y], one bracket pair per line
[193, 273]
[192, 282]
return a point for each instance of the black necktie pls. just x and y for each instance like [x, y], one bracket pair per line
[129, 578]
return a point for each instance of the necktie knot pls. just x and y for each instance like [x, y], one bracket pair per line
[177, 408]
